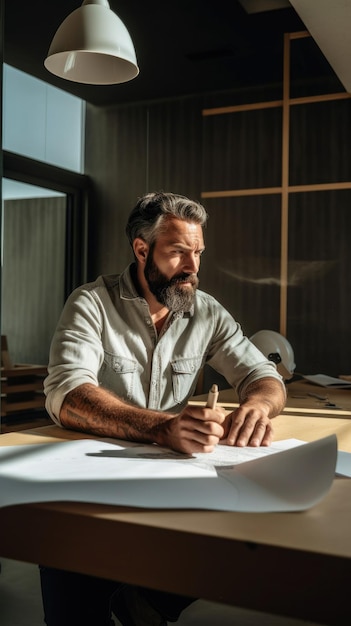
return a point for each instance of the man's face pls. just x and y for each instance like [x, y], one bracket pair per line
[173, 263]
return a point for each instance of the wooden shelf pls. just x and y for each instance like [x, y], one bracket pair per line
[22, 388]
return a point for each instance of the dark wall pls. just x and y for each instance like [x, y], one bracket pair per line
[132, 150]
[171, 145]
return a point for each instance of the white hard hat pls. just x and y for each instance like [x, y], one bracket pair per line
[276, 348]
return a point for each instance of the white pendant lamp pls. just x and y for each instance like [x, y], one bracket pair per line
[93, 46]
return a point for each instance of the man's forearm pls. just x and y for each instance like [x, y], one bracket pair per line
[266, 391]
[97, 411]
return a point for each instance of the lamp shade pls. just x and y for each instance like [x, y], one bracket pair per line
[92, 46]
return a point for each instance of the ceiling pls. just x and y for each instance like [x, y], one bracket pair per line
[183, 47]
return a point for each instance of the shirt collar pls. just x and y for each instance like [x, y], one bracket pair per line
[127, 288]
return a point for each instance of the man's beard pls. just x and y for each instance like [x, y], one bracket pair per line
[171, 293]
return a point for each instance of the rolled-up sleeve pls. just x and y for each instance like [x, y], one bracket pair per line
[236, 357]
[76, 352]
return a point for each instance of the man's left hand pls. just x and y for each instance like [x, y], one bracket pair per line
[248, 426]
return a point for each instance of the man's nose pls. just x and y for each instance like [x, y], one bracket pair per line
[192, 263]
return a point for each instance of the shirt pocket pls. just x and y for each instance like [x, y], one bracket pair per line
[184, 377]
[118, 373]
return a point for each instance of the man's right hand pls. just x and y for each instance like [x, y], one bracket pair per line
[97, 411]
[195, 429]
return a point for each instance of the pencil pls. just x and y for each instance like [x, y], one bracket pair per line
[212, 397]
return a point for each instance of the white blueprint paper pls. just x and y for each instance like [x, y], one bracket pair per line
[286, 476]
[328, 381]
[343, 464]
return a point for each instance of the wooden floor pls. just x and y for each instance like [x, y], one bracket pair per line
[21, 604]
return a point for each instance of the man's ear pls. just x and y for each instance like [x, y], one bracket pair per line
[141, 249]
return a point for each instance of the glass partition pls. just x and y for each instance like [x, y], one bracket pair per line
[32, 295]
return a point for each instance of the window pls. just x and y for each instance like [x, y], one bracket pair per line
[42, 122]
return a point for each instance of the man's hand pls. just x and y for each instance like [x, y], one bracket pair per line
[248, 426]
[95, 410]
[195, 429]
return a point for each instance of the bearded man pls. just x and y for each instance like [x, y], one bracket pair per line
[124, 361]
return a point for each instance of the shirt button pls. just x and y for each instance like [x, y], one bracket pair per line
[154, 383]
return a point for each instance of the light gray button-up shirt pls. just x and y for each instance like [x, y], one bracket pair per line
[106, 336]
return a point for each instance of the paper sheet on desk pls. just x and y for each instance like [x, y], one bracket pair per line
[289, 475]
[343, 464]
[328, 381]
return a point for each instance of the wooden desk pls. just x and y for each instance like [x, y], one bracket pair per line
[301, 400]
[295, 564]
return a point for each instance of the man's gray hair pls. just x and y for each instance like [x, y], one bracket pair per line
[149, 214]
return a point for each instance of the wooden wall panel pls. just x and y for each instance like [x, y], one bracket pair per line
[247, 167]
[241, 264]
[175, 146]
[116, 160]
[129, 152]
[319, 145]
[319, 281]
[242, 150]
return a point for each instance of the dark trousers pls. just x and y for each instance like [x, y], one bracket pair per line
[71, 599]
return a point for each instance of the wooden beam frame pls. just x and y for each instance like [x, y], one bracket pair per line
[284, 190]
